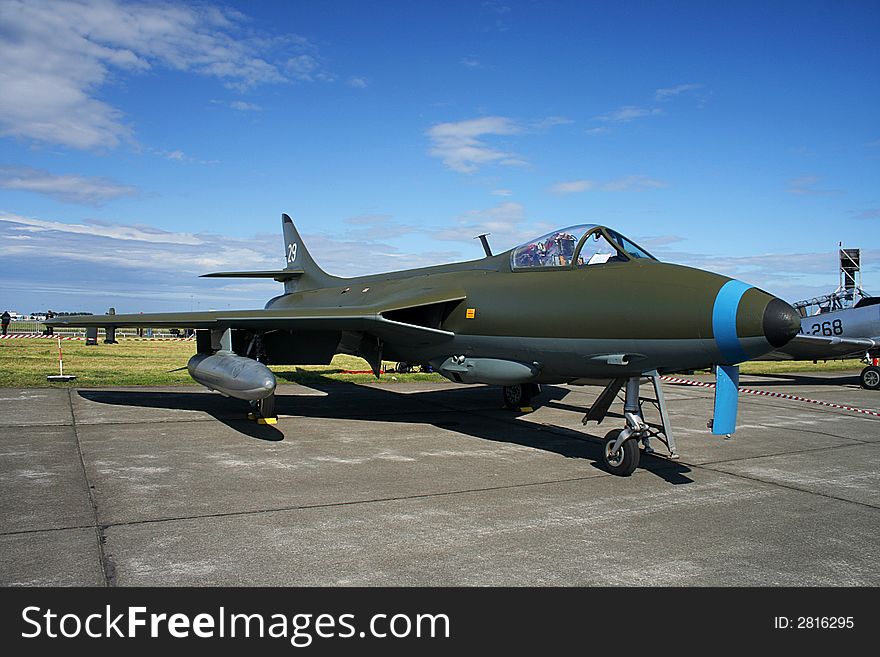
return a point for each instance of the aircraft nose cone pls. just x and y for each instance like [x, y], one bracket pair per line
[781, 322]
[748, 322]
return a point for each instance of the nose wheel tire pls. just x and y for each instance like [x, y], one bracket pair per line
[870, 377]
[625, 460]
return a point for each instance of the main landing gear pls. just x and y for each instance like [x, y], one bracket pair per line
[620, 449]
[263, 410]
[870, 377]
[519, 395]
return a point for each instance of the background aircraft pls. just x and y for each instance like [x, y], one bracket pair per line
[574, 306]
[843, 324]
[838, 335]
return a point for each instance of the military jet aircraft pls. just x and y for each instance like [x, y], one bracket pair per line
[578, 305]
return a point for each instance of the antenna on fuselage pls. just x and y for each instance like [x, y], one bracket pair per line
[485, 243]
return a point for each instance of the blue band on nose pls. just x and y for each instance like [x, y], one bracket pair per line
[724, 321]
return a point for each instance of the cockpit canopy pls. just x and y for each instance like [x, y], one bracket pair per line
[576, 246]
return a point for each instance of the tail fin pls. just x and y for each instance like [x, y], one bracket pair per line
[300, 260]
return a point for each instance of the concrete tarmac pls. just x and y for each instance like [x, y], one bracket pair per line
[433, 484]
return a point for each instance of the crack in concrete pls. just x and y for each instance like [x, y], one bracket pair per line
[108, 569]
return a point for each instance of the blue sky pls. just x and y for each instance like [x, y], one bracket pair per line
[142, 144]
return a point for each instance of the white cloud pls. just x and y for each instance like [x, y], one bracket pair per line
[376, 226]
[97, 265]
[358, 83]
[595, 132]
[506, 223]
[460, 148]
[307, 68]
[128, 266]
[551, 122]
[792, 276]
[470, 62]
[631, 183]
[625, 183]
[56, 57]
[238, 105]
[668, 93]
[501, 192]
[499, 11]
[69, 188]
[178, 155]
[242, 106]
[808, 185]
[16, 224]
[659, 241]
[353, 257]
[572, 186]
[628, 113]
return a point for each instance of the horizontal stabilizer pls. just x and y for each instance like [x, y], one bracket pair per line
[279, 275]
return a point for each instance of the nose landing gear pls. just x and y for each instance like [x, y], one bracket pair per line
[620, 449]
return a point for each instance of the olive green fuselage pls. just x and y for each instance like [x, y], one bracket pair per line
[570, 323]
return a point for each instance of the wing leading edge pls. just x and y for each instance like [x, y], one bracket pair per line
[266, 320]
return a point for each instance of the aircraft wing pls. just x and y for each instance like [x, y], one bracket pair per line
[327, 319]
[818, 347]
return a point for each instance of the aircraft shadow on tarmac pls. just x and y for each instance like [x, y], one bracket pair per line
[473, 411]
[801, 380]
[231, 412]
